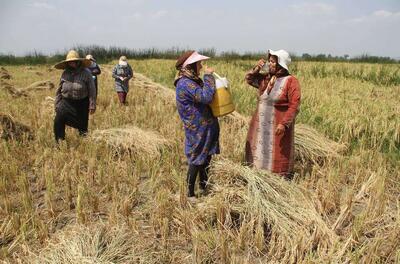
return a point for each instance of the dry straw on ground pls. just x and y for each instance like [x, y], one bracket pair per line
[4, 74]
[289, 224]
[248, 217]
[132, 139]
[40, 85]
[15, 92]
[313, 147]
[8, 239]
[96, 244]
[14, 130]
[47, 106]
[148, 84]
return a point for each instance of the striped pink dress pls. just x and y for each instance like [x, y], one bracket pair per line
[265, 149]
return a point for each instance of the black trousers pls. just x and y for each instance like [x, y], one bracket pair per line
[193, 171]
[73, 113]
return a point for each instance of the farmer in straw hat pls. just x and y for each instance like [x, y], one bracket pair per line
[270, 139]
[94, 70]
[193, 96]
[75, 96]
[122, 73]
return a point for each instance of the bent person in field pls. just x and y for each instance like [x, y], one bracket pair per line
[122, 73]
[94, 70]
[75, 96]
[270, 139]
[193, 96]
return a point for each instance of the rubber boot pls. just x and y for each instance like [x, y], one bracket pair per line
[191, 179]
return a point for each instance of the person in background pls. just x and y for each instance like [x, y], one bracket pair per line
[75, 96]
[270, 139]
[193, 96]
[122, 73]
[94, 70]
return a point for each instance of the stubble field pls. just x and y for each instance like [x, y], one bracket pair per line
[118, 195]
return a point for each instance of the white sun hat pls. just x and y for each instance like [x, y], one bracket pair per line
[283, 57]
[90, 57]
[123, 61]
[195, 57]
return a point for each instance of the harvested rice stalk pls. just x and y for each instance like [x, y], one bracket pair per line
[6, 234]
[15, 92]
[132, 139]
[10, 129]
[313, 147]
[165, 92]
[40, 85]
[288, 215]
[4, 74]
[236, 117]
[47, 106]
[50, 99]
[98, 244]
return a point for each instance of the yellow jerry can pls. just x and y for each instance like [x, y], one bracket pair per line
[222, 101]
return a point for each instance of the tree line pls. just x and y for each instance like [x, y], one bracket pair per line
[107, 54]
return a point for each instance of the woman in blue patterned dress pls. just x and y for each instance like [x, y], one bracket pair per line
[193, 96]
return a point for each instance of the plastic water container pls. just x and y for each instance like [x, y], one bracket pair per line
[222, 101]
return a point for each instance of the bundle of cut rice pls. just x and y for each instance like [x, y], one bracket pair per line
[96, 244]
[15, 92]
[47, 106]
[7, 235]
[4, 74]
[11, 129]
[289, 227]
[164, 92]
[132, 139]
[40, 85]
[313, 147]
[237, 118]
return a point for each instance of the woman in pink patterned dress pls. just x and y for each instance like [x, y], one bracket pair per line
[270, 140]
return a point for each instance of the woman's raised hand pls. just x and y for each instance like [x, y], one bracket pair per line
[261, 63]
[208, 70]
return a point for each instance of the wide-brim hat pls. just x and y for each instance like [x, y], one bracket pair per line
[72, 56]
[283, 57]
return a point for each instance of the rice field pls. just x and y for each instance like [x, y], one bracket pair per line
[119, 195]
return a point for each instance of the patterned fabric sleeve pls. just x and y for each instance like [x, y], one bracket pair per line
[204, 95]
[254, 78]
[189, 91]
[294, 96]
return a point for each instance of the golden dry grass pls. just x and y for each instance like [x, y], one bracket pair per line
[40, 85]
[14, 130]
[132, 139]
[56, 201]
